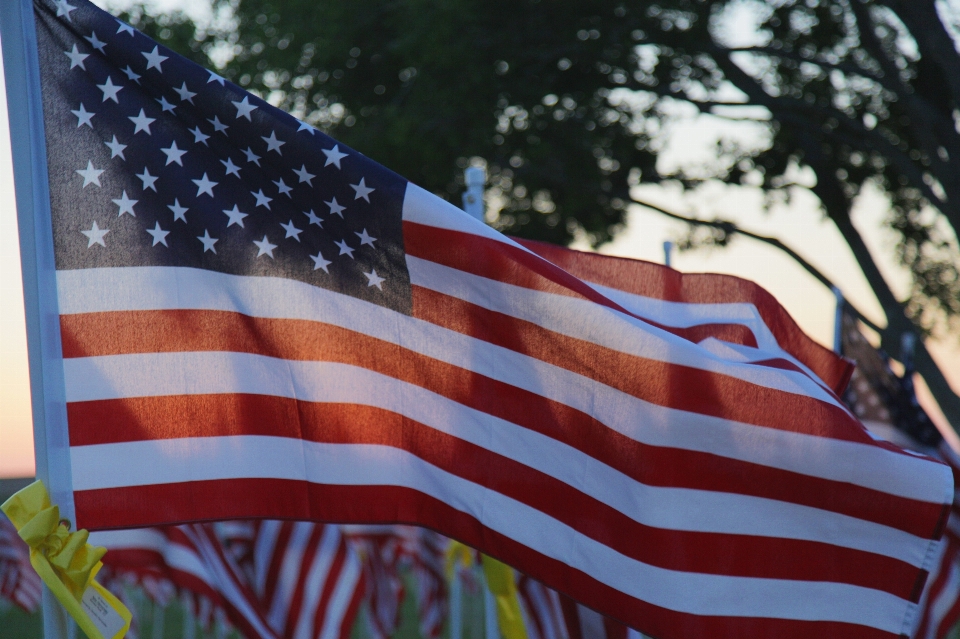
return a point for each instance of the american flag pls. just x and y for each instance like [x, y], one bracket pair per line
[307, 578]
[887, 404]
[19, 582]
[258, 322]
[193, 560]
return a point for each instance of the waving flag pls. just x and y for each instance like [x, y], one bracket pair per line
[307, 578]
[258, 322]
[191, 559]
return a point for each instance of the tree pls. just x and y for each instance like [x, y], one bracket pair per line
[565, 100]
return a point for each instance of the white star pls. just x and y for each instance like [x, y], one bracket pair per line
[166, 105]
[90, 175]
[262, 200]
[252, 157]
[218, 126]
[244, 108]
[319, 262]
[95, 235]
[64, 9]
[345, 248]
[204, 185]
[132, 75]
[148, 180]
[199, 137]
[306, 127]
[236, 217]
[273, 144]
[95, 42]
[214, 78]
[154, 59]
[83, 116]
[159, 235]
[116, 149]
[312, 217]
[362, 190]
[179, 212]
[282, 187]
[333, 156]
[291, 230]
[365, 239]
[126, 205]
[142, 122]
[76, 58]
[335, 208]
[110, 90]
[266, 248]
[208, 241]
[230, 167]
[173, 154]
[304, 175]
[374, 280]
[185, 94]
[124, 27]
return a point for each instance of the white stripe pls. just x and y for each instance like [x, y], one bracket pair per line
[670, 508]
[944, 601]
[589, 321]
[265, 547]
[317, 576]
[339, 604]
[367, 465]
[224, 582]
[425, 208]
[166, 288]
[135, 539]
[289, 574]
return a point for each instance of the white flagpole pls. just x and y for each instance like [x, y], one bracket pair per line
[475, 177]
[838, 322]
[24, 109]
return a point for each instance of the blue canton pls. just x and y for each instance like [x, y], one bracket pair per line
[155, 161]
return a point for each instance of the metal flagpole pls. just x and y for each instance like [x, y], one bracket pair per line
[475, 177]
[838, 322]
[24, 108]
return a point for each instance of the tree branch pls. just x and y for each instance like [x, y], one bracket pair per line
[732, 229]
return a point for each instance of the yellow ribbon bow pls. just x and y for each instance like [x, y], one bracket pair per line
[500, 581]
[66, 563]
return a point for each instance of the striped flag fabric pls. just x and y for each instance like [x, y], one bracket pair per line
[887, 405]
[259, 322]
[19, 582]
[194, 561]
[307, 578]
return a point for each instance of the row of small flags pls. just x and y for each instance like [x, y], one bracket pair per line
[273, 580]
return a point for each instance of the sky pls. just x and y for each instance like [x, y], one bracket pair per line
[800, 225]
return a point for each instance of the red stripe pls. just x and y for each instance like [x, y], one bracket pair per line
[661, 282]
[690, 389]
[133, 419]
[389, 504]
[309, 551]
[681, 387]
[275, 558]
[677, 550]
[504, 263]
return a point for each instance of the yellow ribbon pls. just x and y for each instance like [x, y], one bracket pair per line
[501, 582]
[66, 563]
[458, 554]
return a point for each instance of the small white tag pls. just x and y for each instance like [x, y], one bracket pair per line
[107, 620]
